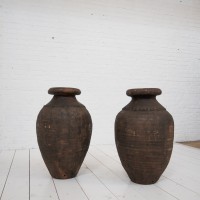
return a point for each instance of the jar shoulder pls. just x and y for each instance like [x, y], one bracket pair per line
[139, 116]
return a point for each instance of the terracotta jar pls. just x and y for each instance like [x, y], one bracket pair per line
[144, 133]
[64, 129]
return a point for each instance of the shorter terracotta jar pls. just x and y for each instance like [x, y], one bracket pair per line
[144, 133]
[64, 129]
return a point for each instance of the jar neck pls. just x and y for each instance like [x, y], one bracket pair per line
[144, 103]
[144, 100]
[143, 97]
[62, 101]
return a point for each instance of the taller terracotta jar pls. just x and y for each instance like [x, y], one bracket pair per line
[64, 129]
[144, 133]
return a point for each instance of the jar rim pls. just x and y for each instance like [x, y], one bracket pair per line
[143, 92]
[64, 91]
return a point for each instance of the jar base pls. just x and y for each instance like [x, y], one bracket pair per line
[144, 181]
[64, 176]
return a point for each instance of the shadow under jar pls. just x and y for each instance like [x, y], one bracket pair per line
[144, 133]
[64, 129]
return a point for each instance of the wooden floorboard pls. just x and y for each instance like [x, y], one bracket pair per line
[17, 185]
[6, 160]
[69, 189]
[41, 183]
[23, 175]
[93, 187]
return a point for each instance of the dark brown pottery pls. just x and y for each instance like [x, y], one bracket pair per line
[144, 133]
[64, 129]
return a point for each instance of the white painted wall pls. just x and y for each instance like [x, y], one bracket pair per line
[104, 48]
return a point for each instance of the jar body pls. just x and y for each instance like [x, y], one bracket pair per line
[64, 129]
[144, 133]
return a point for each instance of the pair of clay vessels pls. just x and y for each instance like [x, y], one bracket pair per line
[143, 134]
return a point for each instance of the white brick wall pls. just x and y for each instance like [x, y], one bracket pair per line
[104, 48]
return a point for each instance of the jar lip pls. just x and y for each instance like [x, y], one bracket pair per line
[143, 92]
[64, 91]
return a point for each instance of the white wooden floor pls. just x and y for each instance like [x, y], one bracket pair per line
[24, 176]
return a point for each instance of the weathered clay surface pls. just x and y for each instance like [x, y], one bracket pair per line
[64, 129]
[144, 133]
